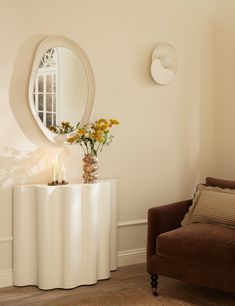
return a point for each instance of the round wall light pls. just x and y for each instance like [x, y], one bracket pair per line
[164, 63]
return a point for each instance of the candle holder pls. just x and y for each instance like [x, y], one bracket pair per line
[56, 183]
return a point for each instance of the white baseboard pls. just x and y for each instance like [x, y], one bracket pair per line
[6, 278]
[132, 223]
[6, 239]
[131, 257]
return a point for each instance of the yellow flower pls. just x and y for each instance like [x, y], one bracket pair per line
[99, 136]
[114, 121]
[102, 121]
[101, 126]
[74, 139]
[70, 139]
[81, 131]
[93, 136]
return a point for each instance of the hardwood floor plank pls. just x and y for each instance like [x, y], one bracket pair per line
[130, 282]
[124, 277]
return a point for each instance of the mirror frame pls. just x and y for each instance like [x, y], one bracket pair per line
[44, 46]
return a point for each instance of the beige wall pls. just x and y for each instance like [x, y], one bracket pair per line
[165, 143]
[225, 89]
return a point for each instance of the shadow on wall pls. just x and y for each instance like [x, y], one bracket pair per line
[19, 167]
[18, 92]
[23, 166]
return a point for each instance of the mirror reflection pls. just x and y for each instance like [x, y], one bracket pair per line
[61, 88]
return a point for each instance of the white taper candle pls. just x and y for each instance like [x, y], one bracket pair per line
[55, 169]
[63, 173]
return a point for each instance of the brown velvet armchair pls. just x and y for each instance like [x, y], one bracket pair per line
[203, 254]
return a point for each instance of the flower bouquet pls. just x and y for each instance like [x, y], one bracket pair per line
[92, 137]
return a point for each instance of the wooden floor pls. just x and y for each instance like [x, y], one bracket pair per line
[125, 277]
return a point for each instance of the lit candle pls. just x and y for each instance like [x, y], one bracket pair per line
[63, 173]
[55, 169]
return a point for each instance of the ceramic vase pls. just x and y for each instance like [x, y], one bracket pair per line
[90, 168]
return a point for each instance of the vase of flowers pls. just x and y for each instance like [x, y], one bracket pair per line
[92, 137]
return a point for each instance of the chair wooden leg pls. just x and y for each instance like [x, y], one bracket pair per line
[154, 283]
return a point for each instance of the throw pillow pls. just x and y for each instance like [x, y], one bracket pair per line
[212, 205]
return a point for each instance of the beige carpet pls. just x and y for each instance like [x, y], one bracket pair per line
[172, 293]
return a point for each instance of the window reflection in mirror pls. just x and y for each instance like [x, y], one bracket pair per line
[61, 87]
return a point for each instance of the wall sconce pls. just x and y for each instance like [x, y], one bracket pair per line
[164, 63]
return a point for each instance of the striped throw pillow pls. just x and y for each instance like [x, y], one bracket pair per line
[212, 205]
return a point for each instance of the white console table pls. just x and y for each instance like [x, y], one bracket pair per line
[64, 236]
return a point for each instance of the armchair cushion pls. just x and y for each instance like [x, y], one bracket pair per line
[200, 244]
[212, 205]
[162, 219]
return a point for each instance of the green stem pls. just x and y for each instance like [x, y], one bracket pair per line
[82, 148]
[98, 147]
[86, 148]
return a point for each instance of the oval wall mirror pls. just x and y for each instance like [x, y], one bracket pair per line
[61, 87]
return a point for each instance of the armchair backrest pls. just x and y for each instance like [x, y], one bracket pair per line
[214, 182]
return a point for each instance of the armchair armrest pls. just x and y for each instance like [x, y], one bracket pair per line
[162, 219]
